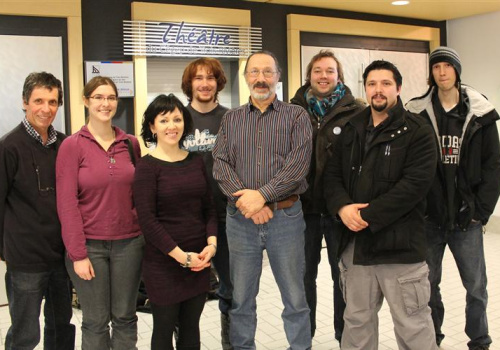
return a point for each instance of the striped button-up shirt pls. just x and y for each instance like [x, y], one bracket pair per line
[269, 152]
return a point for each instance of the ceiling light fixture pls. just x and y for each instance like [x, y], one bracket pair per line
[400, 2]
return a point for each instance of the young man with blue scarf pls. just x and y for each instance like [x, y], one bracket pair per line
[330, 105]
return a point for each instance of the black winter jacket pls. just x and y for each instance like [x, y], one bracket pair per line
[478, 174]
[325, 136]
[393, 177]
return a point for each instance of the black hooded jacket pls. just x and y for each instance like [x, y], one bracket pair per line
[478, 173]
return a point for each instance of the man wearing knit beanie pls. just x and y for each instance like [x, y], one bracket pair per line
[446, 55]
[465, 189]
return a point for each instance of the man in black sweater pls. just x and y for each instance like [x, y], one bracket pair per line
[30, 233]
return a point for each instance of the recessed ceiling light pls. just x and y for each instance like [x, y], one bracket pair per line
[400, 2]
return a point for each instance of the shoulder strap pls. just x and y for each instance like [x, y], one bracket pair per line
[130, 150]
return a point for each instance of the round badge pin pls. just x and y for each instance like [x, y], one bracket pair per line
[337, 130]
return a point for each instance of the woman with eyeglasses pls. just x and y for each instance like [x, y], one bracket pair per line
[177, 215]
[94, 175]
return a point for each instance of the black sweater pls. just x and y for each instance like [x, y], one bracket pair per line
[30, 232]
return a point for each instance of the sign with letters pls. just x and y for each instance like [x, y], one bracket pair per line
[181, 39]
[122, 74]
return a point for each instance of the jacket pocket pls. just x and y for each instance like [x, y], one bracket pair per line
[390, 167]
[415, 289]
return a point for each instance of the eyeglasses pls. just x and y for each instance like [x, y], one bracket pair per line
[254, 73]
[101, 99]
[42, 190]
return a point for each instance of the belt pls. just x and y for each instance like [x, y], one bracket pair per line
[284, 204]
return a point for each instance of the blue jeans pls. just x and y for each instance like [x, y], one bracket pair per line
[221, 263]
[25, 291]
[112, 295]
[283, 238]
[317, 227]
[467, 249]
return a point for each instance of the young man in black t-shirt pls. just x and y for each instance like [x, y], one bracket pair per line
[202, 81]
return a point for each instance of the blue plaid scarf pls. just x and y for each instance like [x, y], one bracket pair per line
[319, 107]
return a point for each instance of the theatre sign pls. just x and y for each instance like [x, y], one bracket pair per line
[181, 39]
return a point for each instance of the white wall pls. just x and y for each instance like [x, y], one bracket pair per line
[477, 42]
[16, 62]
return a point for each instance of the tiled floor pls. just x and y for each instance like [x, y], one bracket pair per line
[270, 334]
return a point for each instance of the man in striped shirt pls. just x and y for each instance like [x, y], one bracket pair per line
[261, 159]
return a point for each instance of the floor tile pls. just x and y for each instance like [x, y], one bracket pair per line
[270, 334]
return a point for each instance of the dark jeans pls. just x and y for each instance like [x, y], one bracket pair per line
[221, 263]
[467, 249]
[112, 295]
[186, 315]
[317, 227]
[25, 291]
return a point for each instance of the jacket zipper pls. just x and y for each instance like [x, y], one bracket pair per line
[353, 179]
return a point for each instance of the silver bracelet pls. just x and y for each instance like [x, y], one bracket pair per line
[188, 260]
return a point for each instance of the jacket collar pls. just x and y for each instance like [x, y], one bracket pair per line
[344, 102]
[394, 120]
[394, 126]
[300, 100]
[479, 105]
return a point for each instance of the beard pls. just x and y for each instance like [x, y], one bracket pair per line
[261, 96]
[379, 107]
[203, 99]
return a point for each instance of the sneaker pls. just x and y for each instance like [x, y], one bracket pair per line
[480, 347]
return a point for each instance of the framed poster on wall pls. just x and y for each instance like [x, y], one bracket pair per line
[121, 72]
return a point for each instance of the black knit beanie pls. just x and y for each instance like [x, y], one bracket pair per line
[444, 54]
